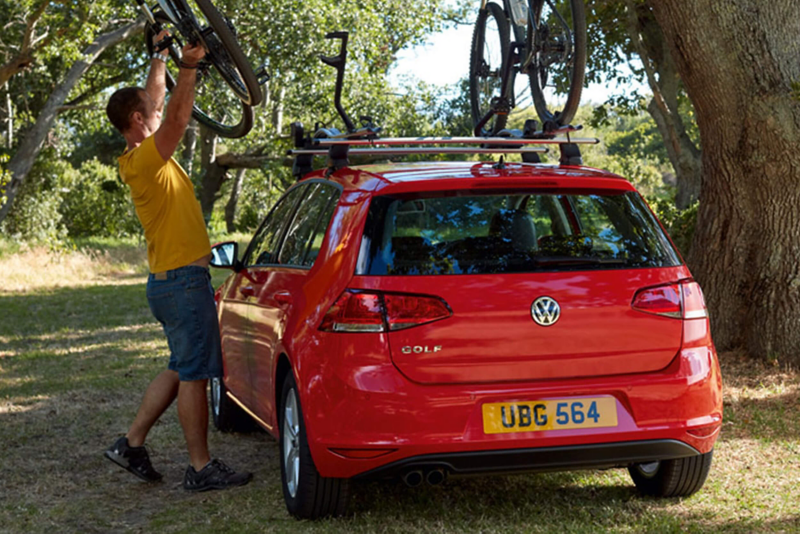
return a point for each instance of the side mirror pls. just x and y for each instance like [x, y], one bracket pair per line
[225, 255]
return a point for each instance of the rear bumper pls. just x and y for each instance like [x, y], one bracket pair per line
[593, 456]
[367, 405]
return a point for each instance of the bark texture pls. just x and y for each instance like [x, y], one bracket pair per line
[737, 61]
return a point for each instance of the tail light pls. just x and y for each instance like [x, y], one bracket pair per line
[682, 300]
[356, 311]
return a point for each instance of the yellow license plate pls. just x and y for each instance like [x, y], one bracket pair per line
[552, 414]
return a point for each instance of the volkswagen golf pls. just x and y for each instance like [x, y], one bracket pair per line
[420, 321]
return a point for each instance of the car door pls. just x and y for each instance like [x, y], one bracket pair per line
[236, 323]
[281, 298]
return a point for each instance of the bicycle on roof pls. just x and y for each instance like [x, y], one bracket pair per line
[549, 46]
[227, 87]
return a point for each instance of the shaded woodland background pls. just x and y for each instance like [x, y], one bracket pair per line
[711, 141]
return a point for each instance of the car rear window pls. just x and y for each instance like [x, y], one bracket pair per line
[511, 233]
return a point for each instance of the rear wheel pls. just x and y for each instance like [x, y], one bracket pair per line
[490, 43]
[556, 60]
[307, 494]
[218, 102]
[672, 478]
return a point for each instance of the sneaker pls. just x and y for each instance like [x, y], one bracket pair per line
[215, 475]
[134, 459]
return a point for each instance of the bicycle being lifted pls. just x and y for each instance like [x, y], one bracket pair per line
[227, 87]
[549, 47]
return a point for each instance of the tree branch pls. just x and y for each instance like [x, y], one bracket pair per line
[21, 162]
[633, 29]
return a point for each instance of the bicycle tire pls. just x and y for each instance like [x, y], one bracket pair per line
[575, 64]
[484, 81]
[227, 58]
[222, 122]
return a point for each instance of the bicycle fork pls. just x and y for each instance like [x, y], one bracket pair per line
[503, 104]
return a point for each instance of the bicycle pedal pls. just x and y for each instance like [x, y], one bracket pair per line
[262, 75]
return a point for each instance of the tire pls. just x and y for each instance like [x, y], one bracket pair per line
[489, 52]
[672, 478]
[307, 494]
[226, 414]
[565, 68]
[215, 106]
[222, 48]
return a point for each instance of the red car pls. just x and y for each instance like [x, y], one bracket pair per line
[430, 320]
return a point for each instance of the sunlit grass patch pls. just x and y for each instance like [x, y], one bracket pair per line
[38, 267]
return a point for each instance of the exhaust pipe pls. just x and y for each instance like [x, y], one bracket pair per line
[413, 478]
[435, 477]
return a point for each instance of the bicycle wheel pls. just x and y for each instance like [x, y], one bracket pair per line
[218, 34]
[490, 43]
[556, 59]
[214, 105]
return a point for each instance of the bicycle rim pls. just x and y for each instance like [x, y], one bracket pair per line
[556, 43]
[490, 43]
[217, 33]
[215, 106]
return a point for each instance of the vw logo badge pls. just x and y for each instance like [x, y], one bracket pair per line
[545, 311]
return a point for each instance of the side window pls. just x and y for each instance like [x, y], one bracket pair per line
[307, 229]
[263, 247]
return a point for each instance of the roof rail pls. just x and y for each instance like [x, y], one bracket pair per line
[339, 147]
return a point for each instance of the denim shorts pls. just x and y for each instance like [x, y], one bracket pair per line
[184, 305]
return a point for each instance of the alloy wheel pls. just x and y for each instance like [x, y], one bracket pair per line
[290, 438]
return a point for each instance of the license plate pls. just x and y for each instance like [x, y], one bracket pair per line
[551, 414]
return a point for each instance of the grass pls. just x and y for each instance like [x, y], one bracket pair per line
[78, 346]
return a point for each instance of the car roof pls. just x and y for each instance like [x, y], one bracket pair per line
[407, 177]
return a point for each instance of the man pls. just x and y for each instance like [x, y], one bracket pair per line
[178, 289]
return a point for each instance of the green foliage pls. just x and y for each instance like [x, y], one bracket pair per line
[34, 215]
[680, 224]
[95, 202]
[5, 178]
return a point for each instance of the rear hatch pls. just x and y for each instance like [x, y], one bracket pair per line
[539, 283]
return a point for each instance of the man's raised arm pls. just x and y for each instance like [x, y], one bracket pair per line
[181, 102]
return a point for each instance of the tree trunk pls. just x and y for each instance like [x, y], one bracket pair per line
[230, 207]
[20, 164]
[663, 79]
[189, 146]
[737, 61]
[213, 174]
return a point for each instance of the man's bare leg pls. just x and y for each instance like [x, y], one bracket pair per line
[193, 414]
[159, 395]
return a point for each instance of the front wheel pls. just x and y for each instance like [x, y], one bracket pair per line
[490, 44]
[215, 106]
[672, 478]
[307, 494]
[226, 414]
[556, 57]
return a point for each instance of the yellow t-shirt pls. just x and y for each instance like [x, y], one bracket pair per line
[166, 206]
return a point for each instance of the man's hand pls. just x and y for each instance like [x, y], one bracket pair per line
[191, 54]
[163, 34]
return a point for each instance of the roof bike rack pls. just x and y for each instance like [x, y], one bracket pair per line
[339, 145]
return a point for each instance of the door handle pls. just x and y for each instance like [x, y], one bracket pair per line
[283, 297]
[248, 291]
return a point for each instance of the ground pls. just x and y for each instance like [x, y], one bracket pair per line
[78, 346]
